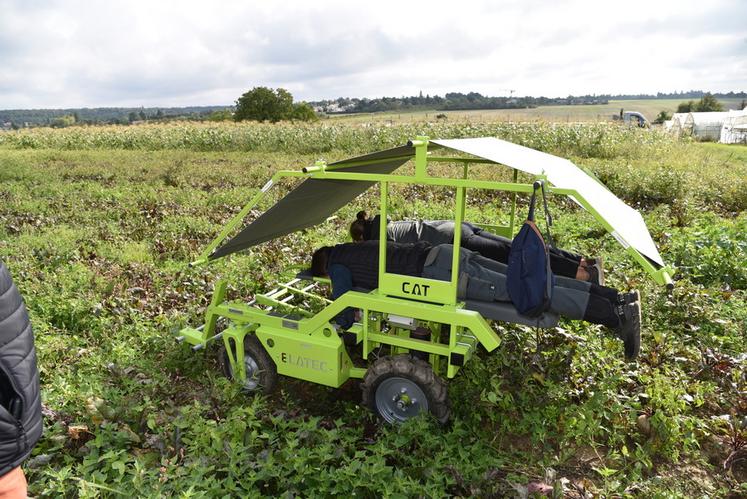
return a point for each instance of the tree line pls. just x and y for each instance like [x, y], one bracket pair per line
[103, 115]
[267, 104]
[474, 100]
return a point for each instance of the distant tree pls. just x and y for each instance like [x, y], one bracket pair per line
[708, 103]
[132, 116]
[685, 107]
[159, 114]
[142, 115]
[223, 115]
[302, 111]
[743, 104]
[663, 116]
[63, 121]
[264, 104]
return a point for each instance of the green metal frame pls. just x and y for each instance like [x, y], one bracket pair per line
[307, 346]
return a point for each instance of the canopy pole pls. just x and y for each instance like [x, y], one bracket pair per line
[230, 226]
[513, 206]
[421, 155]
[383, 222]
[458, 219]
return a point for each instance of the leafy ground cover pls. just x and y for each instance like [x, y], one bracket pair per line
[97, 234]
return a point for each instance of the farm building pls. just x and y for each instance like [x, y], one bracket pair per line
[734, 129]
[704, 126]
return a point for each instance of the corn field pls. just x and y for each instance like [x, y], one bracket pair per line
[584, 140]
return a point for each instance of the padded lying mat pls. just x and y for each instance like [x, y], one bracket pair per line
[490, 310]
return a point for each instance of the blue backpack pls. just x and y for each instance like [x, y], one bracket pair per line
[529, 277]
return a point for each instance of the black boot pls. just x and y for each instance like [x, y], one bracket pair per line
[629, 330]
[625, 298]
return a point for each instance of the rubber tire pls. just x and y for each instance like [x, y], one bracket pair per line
[268, 373]
[416, 370]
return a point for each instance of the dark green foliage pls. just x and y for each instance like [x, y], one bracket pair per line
[708, 103]
[302, 111]
[264, 104]
[685, 107]
[713, 251]
[224, 115]
[662, 117]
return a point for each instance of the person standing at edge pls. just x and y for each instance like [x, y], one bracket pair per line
[20, 398]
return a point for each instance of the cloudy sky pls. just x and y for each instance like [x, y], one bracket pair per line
[75, 53]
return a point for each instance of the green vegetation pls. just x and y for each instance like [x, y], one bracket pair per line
[662, 117]
[707, 103]
[97, 225]
[266, 104]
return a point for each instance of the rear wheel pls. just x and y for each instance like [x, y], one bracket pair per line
[261, 373]
[401, 387]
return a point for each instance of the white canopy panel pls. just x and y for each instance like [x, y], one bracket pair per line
[627, 224]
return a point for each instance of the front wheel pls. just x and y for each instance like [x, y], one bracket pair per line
[260, 370]
[401, 387]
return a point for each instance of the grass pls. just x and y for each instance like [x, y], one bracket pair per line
[98, 238]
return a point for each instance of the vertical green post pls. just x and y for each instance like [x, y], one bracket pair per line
[421, 156]
[513, 206]
[383, 217]
[458, 219]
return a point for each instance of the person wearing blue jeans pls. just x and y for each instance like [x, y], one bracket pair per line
[352, 265]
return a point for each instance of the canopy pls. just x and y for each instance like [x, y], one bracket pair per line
[627, 224]
[316, 199]
[313, 201]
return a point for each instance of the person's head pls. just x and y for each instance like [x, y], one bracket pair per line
[358, 227]
[319, 261]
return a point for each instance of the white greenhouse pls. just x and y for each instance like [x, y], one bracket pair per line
[734, 129]
[705, 126]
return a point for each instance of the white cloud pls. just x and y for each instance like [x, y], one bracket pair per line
[70, 53]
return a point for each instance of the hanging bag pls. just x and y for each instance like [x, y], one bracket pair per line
[529, 277]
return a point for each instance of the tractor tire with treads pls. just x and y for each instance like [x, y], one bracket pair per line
[400, 387]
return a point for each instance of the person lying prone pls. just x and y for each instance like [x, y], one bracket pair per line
[563, 263]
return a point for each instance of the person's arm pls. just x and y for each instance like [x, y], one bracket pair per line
[342, 282]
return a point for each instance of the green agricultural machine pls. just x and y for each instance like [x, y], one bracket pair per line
[413, 333]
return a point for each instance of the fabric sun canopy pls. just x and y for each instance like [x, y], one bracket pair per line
[313, 201]
[316, 199]
[627, 224]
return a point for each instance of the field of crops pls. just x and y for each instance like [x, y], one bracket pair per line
[97, 226]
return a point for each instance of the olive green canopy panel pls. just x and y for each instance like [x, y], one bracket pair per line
[314, 200]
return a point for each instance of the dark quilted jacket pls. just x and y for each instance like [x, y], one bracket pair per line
[20, 401]
[362, 259]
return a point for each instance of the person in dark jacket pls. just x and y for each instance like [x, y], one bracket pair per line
[355, 265]
[20, 400]
[563, 263]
